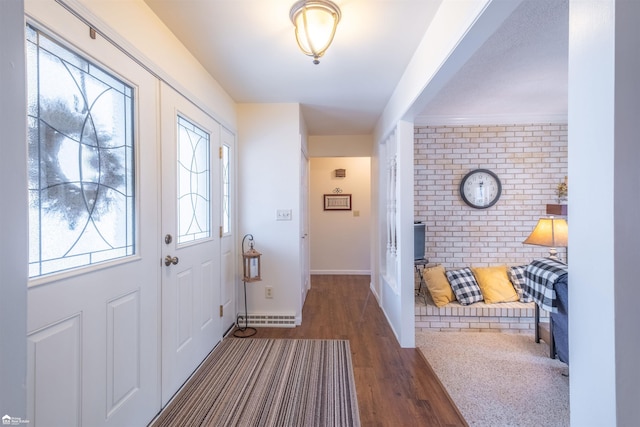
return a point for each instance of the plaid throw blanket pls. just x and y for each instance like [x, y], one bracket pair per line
[541, 276]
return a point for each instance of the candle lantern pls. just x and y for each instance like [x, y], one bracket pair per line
[250, 262]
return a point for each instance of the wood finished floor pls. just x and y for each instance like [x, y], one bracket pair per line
[395, 386]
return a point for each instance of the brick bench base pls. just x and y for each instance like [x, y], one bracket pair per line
[509, 317]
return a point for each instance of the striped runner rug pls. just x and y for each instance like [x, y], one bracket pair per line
[268, 382]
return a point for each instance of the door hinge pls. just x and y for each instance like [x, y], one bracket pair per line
[220, 152]
[221, 233]
[221, 311]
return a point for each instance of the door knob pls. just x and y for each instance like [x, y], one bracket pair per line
[168, 260]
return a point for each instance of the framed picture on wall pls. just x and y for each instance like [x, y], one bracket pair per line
[337, 202]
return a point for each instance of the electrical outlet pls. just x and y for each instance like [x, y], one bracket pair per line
[268, 292]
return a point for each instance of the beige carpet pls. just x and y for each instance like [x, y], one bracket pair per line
[499, 380]
[269, 382]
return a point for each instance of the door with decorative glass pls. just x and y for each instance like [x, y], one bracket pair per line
[227, 229]
[191, 324]
[93, 224]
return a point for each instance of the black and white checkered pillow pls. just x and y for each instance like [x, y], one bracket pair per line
[464, 285]
[516, 275]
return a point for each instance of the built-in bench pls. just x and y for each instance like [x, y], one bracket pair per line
[509, 317]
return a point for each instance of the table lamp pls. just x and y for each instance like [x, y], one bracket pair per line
[551, 232]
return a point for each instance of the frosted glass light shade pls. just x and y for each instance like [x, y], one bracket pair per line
[316, 22]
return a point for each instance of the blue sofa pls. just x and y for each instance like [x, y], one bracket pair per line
[560, 320]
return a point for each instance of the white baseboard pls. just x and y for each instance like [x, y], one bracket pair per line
[342, 272]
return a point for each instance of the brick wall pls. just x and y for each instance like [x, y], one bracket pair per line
[529, 159]
[511, 317]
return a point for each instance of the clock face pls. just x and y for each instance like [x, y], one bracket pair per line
[480, 188]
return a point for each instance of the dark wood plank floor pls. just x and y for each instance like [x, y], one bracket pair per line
[395, 386]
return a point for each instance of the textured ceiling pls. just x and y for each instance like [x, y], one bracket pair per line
[520, 72]
[248, 46]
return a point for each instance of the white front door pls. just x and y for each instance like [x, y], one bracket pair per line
[93, 294]
[227, 229]
[191, 324]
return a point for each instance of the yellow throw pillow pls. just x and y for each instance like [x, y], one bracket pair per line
[438, 285]
[495, 284]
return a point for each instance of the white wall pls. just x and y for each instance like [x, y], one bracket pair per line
[340, 145]
[605, 197]
[13, 213]
[269, 147]
[626, 207]
[132, 24]
[340, 240]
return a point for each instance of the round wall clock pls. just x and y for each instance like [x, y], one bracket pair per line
[480, 188]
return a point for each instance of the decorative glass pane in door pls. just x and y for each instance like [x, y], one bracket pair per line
[226, 189]
[194, 178]
[81, 160]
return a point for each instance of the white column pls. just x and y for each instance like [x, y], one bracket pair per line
[604, 197]
[405, 214]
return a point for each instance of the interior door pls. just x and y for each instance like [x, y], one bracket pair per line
[93, 312]
[304, 227]
[227, 229]
[191, 325]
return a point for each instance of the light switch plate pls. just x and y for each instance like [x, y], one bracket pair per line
[283, 215]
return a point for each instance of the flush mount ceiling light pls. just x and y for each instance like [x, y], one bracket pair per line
[315, 22]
